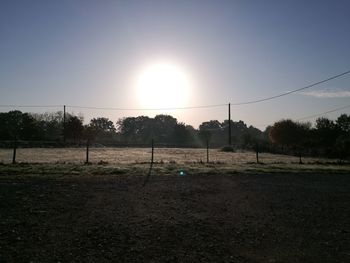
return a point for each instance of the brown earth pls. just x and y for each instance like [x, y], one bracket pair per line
[191, 218]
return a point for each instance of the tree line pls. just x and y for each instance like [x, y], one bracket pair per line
[326, 138]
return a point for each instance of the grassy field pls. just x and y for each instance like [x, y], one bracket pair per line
[142, 155]
[168, 161]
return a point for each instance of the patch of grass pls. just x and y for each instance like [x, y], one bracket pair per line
[227, 149]
[142, 156]
[166, 168]
[101, 162]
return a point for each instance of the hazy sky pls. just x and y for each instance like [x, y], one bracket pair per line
[90, 53]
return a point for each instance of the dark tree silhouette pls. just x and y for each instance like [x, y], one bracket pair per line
[163, 128]
[89, 133]
[343, 123]
[10, 125]
[103, 125]
[18, 125]
[342, 143]
[104, 129]
[326, 134]
[74, 129]
[13, 124]
[211, 131]
[29, 128]
[136, 129]
[50, 125]
[328, 138]
[182, 135]
[292, 135]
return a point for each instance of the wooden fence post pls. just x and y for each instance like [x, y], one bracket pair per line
[257, 153]
[87, 151]
[207, 151]
[152, 152]
[14, 151]
[151, 165]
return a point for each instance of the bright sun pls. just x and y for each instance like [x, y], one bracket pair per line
[162, 85]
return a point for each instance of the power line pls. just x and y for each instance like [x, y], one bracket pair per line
[314, 115]
[293, 91]
[31, 106]
[234, 104]
[148, 109]
[326, 112]
[184, 108]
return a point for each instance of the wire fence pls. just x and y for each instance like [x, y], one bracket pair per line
[142, 154]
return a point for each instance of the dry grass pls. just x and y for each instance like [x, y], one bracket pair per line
[143, 155]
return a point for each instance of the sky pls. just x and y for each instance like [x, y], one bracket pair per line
[91, 53]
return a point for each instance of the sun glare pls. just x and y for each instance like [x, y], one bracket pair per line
[163, 85]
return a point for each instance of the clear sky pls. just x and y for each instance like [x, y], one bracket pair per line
[91, 53]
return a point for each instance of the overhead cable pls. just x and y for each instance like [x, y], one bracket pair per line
[185, 108]
[148, 109]
[290, 92]
[31, 106]
[320, 114]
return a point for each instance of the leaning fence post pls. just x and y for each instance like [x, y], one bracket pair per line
[14, 151]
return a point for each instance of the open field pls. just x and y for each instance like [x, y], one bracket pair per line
[97, 214]
[142, 155]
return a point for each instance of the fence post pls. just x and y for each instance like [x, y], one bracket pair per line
[14, 151]
[152, 152]
[207, 151]
[87, 151]
[257, 153]
[151, 165]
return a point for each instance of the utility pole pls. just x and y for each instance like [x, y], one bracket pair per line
[229, 125]
[64, 124]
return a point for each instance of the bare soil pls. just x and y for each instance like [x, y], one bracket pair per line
[191, 218]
